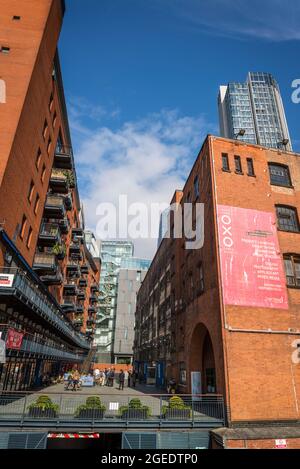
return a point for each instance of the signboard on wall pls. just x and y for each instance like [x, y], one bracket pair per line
[14, 339]
[280, 444]
[251, 267]
[6, 280]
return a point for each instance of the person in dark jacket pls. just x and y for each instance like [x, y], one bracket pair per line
[121, 380]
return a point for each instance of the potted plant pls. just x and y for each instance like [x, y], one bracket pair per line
[135, 410]
[43, 407]
[176, 409]
[92, 409]
[70, 178]
[59, 250]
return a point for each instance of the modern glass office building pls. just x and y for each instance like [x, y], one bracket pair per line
[112, 253]
[255, 107]
[131, 275]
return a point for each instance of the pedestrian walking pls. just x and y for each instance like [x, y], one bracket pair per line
[129, 378]
[121, 380]
[134, 375]
[112, 377]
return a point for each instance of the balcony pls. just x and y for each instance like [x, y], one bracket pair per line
[79, 309]
[59, 181]
[63, 157]
[64, 226]
[92, 310]
[78, 322]
[68, 304]
[84, 269]
[93, 299]
[45, 263]
[28, 295]
[74, 248]
[91, 322]
[54, 279]
[49, 235]
[82, 283]
[81, 295]
[94, 288]
[77, 233]
[68, 203]
[54, 207]
[73, 269]
[70, 289]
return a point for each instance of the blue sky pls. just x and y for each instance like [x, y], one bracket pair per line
[141, 79]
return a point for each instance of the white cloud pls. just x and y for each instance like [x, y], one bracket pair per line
[274, 20]
[146, 160]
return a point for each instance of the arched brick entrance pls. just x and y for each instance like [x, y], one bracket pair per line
[202, 359]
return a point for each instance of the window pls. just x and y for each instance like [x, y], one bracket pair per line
[29, 238]
[279, 175]
[43, 173]
[4, 49]
[238, 164]
[287, 218]
[292, 270]
[37, 204]
[30, 193]
[250, 167]
[225, 162]
[23, 227]
[196, 187]
[16, 18]
[38, 159]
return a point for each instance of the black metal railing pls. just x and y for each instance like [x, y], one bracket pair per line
[117, 409]
[25, 289]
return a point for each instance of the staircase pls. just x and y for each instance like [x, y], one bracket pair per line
[89, 360]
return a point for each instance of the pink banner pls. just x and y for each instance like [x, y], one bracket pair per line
[251, 266]
[14, 339]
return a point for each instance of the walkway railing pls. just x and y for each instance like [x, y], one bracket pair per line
[24, 288]
[75, 409]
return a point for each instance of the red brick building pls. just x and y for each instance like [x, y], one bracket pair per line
[42, 244]
[229, 311]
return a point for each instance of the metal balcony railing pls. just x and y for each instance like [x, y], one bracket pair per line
[44, 261]
[55, 207]
[40, 347]
[25, 290]
[49, 234]
[200, 411]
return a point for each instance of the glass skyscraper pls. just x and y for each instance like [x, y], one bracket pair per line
[112, 253]
[256, 107]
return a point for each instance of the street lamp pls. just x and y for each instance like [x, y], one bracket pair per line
[240, 133]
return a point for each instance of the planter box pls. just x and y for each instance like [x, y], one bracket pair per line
[134, 414]
[91, 414]
[178, 414]
[42, 414]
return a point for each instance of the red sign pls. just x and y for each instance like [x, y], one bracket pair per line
[251, 266]
[280, 444]
[73, 435]
[14, 339]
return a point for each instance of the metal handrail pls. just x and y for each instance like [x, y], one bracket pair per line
[24, 286]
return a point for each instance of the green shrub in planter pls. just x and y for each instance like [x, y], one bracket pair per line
[92, 409]
[176, 409]
[135, 410]
[43, 407]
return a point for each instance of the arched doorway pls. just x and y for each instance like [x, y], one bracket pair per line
[202, 362]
